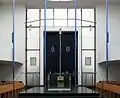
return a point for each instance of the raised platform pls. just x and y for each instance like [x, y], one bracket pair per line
[40, 92]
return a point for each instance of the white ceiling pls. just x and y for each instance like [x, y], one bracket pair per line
[40, 3]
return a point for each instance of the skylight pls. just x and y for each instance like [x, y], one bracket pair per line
[60, 0]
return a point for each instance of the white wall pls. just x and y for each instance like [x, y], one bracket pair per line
[114, 29]
[6, 32]
[114, 45]
[6, 36]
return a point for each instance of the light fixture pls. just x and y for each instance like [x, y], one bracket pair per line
[90, 28]
[60, 0]
[30, 26]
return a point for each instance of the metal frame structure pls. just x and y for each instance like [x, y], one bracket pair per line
[26, 51]
[44, 64]
[94, 50]
[107, 40]
[30, 50]
[13, 44]
[13, 38]
[107, 37]
[75, 7]
[81, 49]
[64, 26]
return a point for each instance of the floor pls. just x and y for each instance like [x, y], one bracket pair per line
[40, 92]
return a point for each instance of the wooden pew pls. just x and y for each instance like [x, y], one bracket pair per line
[9, 82]
[110, 82]
[7, 91]
[111, 88]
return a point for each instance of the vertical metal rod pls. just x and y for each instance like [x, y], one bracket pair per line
[39, 43]
[75, 7]
[85, 79]
[92, 82]
[45, 6]
[60, 35]
[26, 51]
[53, 17]
[95, 47]
[81, 51]
[33, 79]
[67, 17]
[107, 40]
[13, 43]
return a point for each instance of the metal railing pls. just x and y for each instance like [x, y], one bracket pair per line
[88, 78]
[33, 78]
[101, 91]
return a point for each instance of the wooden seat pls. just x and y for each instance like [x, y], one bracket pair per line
[8, 87]
[111, 88]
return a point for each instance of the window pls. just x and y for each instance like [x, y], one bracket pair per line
[88, 17]
[60, 0]
[60, 22]
[60, 14]
[32, 61]
[66, 17]
[78, 13]
[33, 17]
[48, 22]
[71, 14]
[71, 22]
[33, 38]
[88, 61]
[49, 13]
[88, 38]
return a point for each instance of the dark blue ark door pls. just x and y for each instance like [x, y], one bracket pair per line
[52, 53]
[68, 54]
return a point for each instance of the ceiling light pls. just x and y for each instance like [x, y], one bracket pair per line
[60, 0]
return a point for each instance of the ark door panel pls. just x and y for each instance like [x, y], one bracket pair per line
[68, 54]
[52, 52]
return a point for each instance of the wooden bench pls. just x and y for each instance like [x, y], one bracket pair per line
[9, 82]
[110, 88]
[110, 82]
[7, 90]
